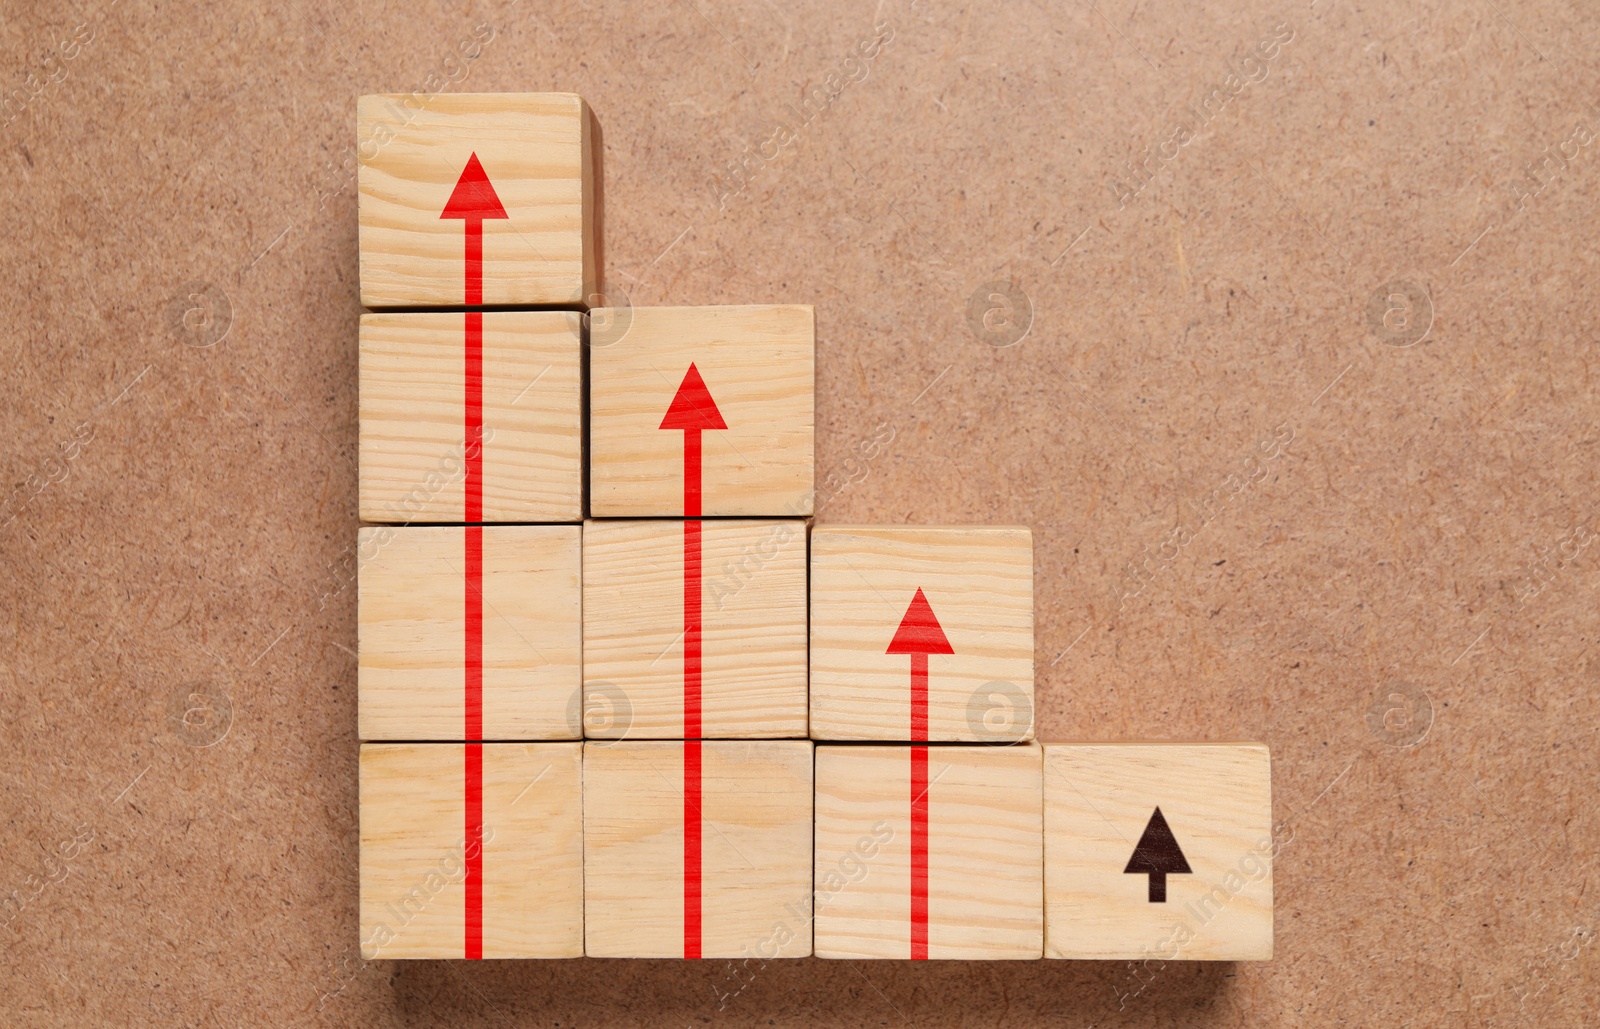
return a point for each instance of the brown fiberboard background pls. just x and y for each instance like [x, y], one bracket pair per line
[1263, 507]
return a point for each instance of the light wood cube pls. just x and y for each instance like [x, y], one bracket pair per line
[518, 165]
[922, 633]
[471, 856]
[929, 852]
[702, 411]
[740, 674]
[414, 646]
[697, 849]
[521, 450]
[1192, 884]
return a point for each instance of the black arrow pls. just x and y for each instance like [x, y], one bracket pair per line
[1158, 856]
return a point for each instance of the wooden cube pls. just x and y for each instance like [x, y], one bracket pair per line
[718, 653]
[1158, 851]
[471, 850]
[922, 633]
[457, 646]
[510, 449]
[697, 849]
[929, 852]
[702, 411]
[508, 174]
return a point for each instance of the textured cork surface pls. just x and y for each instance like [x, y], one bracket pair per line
[1265, 505]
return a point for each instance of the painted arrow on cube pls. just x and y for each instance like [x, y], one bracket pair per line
[1157, 855]
[692, 411]
[473, 201]
[919, 635]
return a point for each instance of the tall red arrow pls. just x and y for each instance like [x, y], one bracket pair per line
[692, 411]
[919, 635]
[472, 201]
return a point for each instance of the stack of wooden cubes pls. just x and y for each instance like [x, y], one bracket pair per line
[619, 696]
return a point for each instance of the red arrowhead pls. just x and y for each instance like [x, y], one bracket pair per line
[474, 197]
[919, 631]
[692, 408]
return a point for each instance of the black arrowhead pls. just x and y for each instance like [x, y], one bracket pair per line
[1158, 856]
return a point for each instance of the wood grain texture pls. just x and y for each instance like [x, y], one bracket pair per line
[757, 805]
[537, 150]
[978, 581]
[753, 663]
[412, 417]
[985, 852]
[414, 850]
[411, 624]
[1216, 799]
[756, 361]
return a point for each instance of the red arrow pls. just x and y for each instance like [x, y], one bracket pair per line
[919, 635]
[472, 201]
[692, 411]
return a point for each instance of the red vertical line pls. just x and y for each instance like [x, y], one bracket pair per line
[691, 473]
[692, 597]
[692, 871]
[473, 505]
[472, 663]
[472, 947]
[692, 829]
[472, 659]
[919, 852]
[692, 628]
[473, 445]
[474, 261]
[919, 696]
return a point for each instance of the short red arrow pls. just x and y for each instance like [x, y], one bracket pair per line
[919, 635]
[692, 411]
[473, 200]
